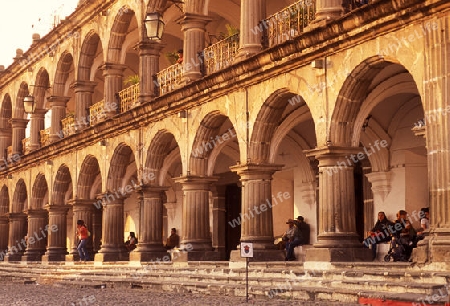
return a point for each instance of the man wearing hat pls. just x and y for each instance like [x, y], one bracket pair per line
[291, 237]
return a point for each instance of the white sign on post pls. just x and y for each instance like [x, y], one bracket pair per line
[246, 249]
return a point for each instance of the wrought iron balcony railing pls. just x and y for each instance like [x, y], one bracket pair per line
[68, 125]
[169, 79]
[26, 142]
[97, 112]
[288, 23]
[221, 54]
[129, 97]
[45, 135]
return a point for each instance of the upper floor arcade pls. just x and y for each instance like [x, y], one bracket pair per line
[102, 60]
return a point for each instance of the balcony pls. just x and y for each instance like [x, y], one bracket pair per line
[129, 97]
[221, 54]
[68, 125]
[26, 143]
[288, 23]
[97, 112]
[169, 79]
[45, 134]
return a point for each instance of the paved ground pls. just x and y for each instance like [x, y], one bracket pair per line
[50, 295]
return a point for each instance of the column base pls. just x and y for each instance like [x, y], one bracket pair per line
[14, 257]
[32, 257]
[195, 256]
[260, 255]
[338, 254]
[104, 257]
[54, 257]
[149, 256]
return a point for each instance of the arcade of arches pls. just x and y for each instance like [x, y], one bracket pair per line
[327, 123]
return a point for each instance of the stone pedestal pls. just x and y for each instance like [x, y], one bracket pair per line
[37, 235]
[195, 228]
[328, 10]
[252, 12]
[37, 124]
[150, 246]
[113, 74]
[113, 246]
[193, 27]
[58, 107]
[256, 217]
[83, 100]
[337, 239]
[17, 233]
[148, 67]
[57, 232]
[4, 232]
[18, 133]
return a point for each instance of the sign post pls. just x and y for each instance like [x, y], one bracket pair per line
[247, 252]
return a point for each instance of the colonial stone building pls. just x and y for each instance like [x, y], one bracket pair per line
[329, 109]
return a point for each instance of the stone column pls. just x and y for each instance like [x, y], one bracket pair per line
[4, 231]
[83, 100]
[58, 107]
[113, 74]
[256, 216]
[16, 239]
[369, 213]
[219, 219]
[150, 246]
[196, 232]
[18, 133]
[252, 13]
[82, 210]
[37, 124]
[337, 239]
[148, 67]
[435, 248]
[37, 235]
[194, 27]
[328, 10]
[5, 141]
[113, 245]
[57, 233]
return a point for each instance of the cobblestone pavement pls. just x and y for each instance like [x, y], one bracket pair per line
[50, 295]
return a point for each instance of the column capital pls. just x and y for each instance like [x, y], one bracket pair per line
[112, 69]
[192, 21]
[58, 100]
[146, 47]
[57, 208]
[36, 212]
[381, 183]
[329, 155]
[16, 215]
[192, 181]
[83, 86]
[38, 114]
[80, 203]
[148, 190]
[256, 171]
[19, 123]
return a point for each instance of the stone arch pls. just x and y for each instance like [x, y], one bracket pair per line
[211, 131]
[123, 156]
[4, 200]
[6, 113]
[42, 84]
[162, 146]
[18, 110]
[89, 171]
[39, 191]
[61, 185]
[19, 197]
[267, 121]
[63, 68]
[118, 34]
[87, 55]
[364, 79]
[156, 5]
